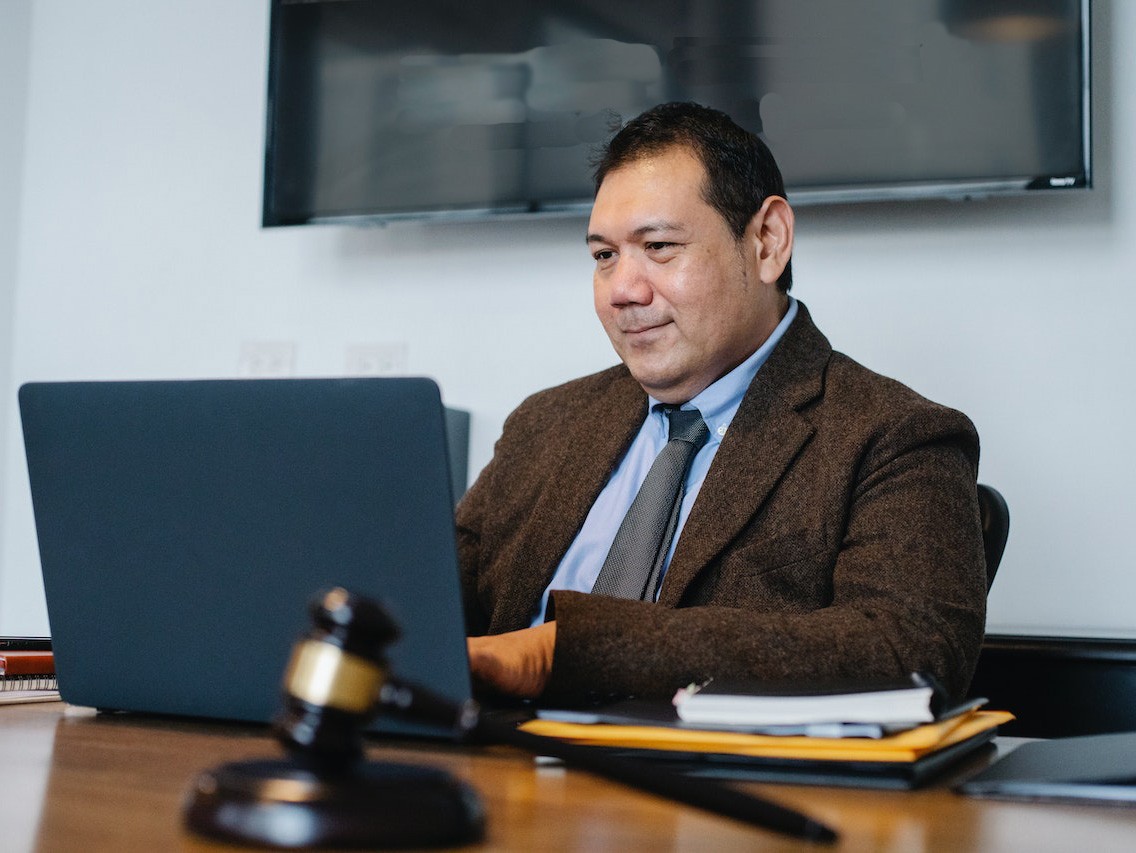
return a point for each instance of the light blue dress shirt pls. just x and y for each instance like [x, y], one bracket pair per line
[718, 404]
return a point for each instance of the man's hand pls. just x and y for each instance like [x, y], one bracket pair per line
[516, 663]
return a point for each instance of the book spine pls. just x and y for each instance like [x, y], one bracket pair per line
[25, 644]
[26, 663]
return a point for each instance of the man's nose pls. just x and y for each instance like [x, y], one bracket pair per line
[629, 282]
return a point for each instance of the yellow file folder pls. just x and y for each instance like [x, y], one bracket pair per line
[905, 746]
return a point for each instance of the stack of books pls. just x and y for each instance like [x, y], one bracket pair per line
[898, 736]
[27, 670]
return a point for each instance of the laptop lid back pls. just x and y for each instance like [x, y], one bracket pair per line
[184, 526]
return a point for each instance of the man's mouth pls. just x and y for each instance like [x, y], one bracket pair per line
[640, 328]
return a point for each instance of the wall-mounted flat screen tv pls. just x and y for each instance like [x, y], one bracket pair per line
[381, 110]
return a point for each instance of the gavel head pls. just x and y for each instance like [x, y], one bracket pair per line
[333, 679]
[324, 795]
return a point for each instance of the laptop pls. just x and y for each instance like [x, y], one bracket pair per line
[185, 526]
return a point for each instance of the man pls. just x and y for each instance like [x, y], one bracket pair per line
[829, 525]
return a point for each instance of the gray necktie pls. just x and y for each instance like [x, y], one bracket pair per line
[634, 564]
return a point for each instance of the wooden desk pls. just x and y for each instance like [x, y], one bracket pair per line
[72, 781]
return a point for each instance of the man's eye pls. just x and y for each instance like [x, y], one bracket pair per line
[603, 255]
[658, 245]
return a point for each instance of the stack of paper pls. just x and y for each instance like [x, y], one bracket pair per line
[904, 759]
[909, 745]
[27, 676]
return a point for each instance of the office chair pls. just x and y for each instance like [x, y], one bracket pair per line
[995, 515]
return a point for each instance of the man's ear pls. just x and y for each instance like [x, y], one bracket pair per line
[772, 230]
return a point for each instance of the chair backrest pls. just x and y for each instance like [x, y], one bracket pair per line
[995, 515]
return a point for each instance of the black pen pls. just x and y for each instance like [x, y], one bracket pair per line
[415, 702]
[718, 797]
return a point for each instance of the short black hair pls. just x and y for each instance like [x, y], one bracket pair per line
[740, 169]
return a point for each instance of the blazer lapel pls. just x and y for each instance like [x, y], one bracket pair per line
[764, 438]
[600, 434]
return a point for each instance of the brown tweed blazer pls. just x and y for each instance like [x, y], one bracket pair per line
[836, 536]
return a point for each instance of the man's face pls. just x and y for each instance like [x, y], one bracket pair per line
[679, 296]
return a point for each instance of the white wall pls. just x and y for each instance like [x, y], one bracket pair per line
[140, 256]
[15, 28]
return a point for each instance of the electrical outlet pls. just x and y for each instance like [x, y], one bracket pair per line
[376, 359]
[266, 359]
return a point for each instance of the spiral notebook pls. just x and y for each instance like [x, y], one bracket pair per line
[184, 526]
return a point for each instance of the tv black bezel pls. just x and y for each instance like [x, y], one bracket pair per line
[847, 193]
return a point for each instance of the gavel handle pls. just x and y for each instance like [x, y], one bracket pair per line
[709, 794]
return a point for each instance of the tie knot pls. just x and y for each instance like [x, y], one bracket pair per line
[687, 425]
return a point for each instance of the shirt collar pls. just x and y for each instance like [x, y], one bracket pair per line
[719, 402]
